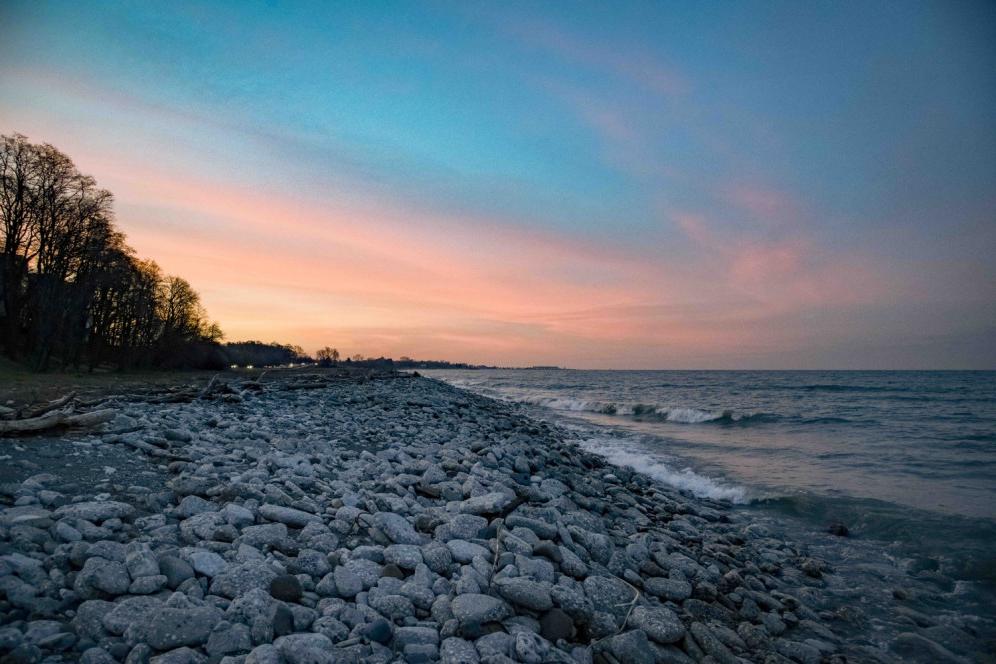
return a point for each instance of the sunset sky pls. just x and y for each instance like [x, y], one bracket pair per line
[603, 185]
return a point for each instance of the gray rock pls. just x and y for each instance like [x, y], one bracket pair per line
[458, 651]
[464, 551]
[288, 516]
[531, 648]
[404, 636]
[266, 653]
[712, 645]
[128, 611]
[208, 563]
[347, 583]
[96, 511]
[609, 594]
[631, 647]
[268, 534]
[182, 655]
[176, 570]
[140, 560]
[306, 649]
[228, 639]
[147, 585]
[405, 556]
[489, 503]
[194, 505]
[660, 624]
[169, 628]
[237, 516]
[397, 528]
[477, 609]
[524, 592]
[105, 576]
[675, 590]
[240, 579]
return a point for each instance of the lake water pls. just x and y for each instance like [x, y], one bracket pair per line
[906, 460]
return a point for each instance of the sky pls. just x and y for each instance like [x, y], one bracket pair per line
[593, 185]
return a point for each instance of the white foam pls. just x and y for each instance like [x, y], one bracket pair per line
[686, 479]
[691, 415]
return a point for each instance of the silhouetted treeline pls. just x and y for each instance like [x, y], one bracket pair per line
[408, 363]
[72, 293]
[259, 354]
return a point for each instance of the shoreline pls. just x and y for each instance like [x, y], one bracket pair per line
[359, 521]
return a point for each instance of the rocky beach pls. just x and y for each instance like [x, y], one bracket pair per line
[324, 517]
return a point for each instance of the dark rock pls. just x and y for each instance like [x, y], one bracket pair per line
[379, 631]
[176, 570]
[556, 624]
[283, 621]
[286, 587]
[392, 570]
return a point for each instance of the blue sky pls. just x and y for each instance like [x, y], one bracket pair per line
[645, 185]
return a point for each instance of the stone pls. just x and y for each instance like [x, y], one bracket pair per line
[379, 631]
[489, 503]
[286, 587]
[266, 653]
[464, 551]
[404, 636]
[675, 590]
[237, 516]
[397, 528]
[455, 650]
[140, 561]
[555, 624]
[239, 579]
[609, 594]
[207, 563]
[194, 505]
[405, 556]
[267, 534]
[631, 647]
[169, 628]
[288, 515]
[477, 609]
[660, 624]
[524, 592]
[176, 570]
[105, 576]
[130, 610]
[711, 644]
[531, 648]
[228, 639]
[306, 649]
[347, 583]
[96, 511]
[147, 585]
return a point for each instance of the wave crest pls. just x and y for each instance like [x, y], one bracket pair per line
[684, 480]
[676, 414]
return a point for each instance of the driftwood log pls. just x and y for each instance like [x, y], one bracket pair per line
[58, 418]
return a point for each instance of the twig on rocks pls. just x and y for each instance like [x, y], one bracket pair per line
[38, 411]
[209, 388]
[494, 563]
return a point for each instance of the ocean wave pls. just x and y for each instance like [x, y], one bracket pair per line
[679, 414]
[684, 480]
[836, 387]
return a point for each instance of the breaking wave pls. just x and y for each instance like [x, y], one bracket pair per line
[684, 480]
[679, 414]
